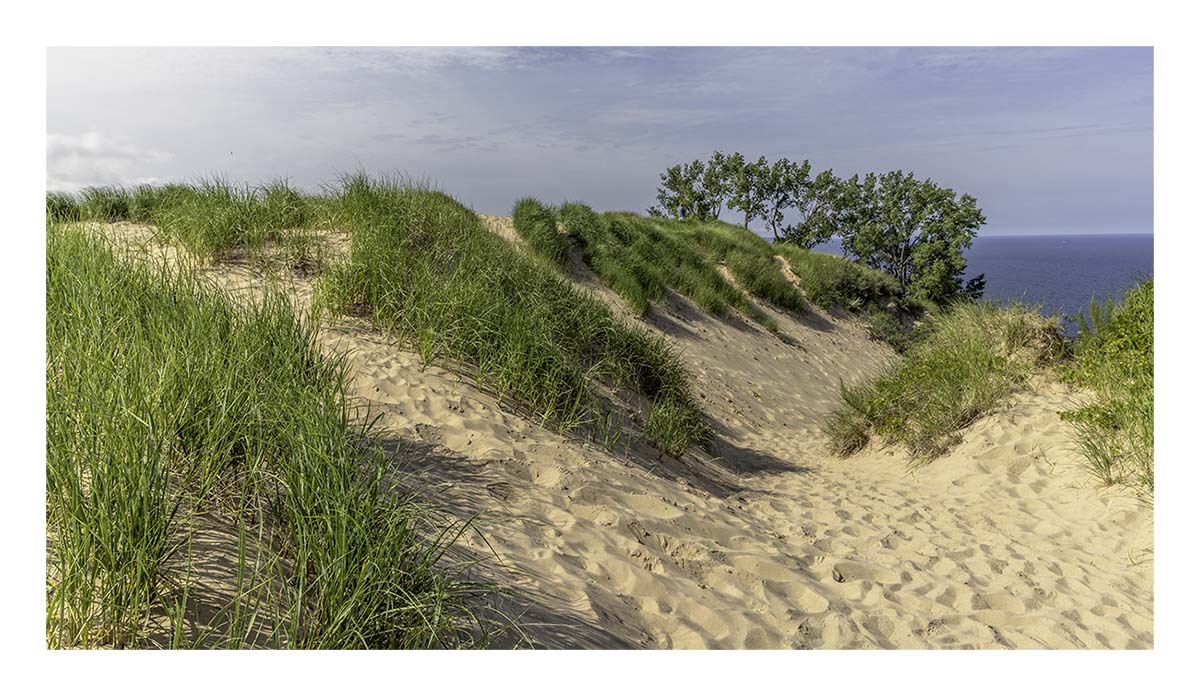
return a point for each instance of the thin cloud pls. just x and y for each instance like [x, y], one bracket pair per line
[1012, 126]
[75, 161]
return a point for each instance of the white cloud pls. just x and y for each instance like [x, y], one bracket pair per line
[74, 161]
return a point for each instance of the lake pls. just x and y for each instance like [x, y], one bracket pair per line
[1060, 272]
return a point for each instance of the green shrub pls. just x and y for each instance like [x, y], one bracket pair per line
[1114, 357]
[971, 359]
[538, 226]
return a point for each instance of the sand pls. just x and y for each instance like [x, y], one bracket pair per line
[772, 543]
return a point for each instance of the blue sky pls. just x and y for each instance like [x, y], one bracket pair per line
[1049, 140]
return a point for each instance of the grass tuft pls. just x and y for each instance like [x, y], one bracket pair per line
[538, 226]
[835, 282]
[62, 207]
[169, 405]
[104, 203]
[972, 358]
[1114, 357]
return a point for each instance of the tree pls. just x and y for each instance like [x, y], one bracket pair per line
[745, 189]
[716, 184]
[777, 187]
[688, 192]
[915, 231]
[817, 202]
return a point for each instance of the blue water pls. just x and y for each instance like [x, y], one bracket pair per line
[1060, 272]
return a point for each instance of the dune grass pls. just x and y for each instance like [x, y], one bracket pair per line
[425, 268]
[216, 217]
[836, 282]
[168, 403]
[104, 203]
[538, 226]
[1114, 357]
[750, 258]
[62, 207]
[973, 357]
[641, 258]
[212, 218]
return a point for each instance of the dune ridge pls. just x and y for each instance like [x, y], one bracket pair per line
[769, 542]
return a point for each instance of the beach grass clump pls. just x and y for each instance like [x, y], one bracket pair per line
[973, 357]
[425, 268]
[146, 201]
[1114, 358]
[216, 218]
[835, 282]
[640, 259]
[62, 207]
[104, 203]
[538, 226]
[172, 407]
[750, 259]
[213, 218]
[604, 253]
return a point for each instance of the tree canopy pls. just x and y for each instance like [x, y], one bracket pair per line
[914, 230]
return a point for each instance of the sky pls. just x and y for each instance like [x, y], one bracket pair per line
[1049, 140]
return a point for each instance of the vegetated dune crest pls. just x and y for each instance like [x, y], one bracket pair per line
[767, 542]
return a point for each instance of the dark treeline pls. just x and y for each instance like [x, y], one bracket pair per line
[914, 230]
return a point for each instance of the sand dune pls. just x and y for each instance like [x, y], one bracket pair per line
[771, 543]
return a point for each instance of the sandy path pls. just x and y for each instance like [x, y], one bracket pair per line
[771, 543]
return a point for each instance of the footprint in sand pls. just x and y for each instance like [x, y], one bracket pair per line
[847, 571]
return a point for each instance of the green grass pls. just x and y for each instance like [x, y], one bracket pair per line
[835, 282]
[538, 226]
[62, 207]
[213, 218]
[640, 258]
[973, 357]
[168, 404]
[104, 203]
[425, 268]
[749, 258]
[216, 217]
[1114, 357]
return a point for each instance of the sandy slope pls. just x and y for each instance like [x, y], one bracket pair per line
[772, 543]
